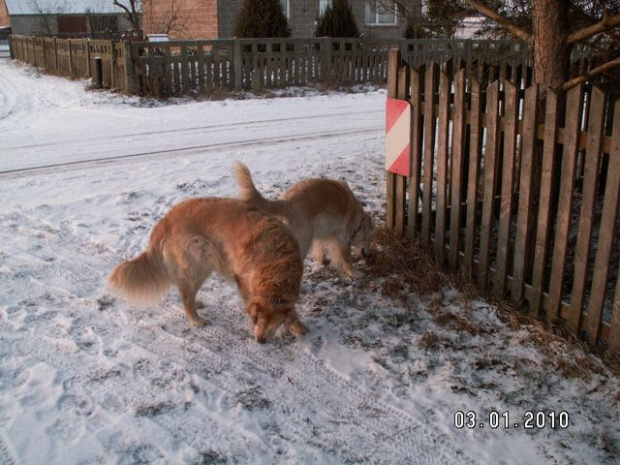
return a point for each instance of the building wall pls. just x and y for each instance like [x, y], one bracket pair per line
[48, 24]
[304, 15]
[376, 31]
[212, 19]
[182, 19]
[227, 12]
[28, 25]
[5, 21]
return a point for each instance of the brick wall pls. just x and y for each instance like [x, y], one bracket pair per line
[5, 21]
[195, 19]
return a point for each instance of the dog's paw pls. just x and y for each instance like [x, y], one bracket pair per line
[199, 322]
[297, 328]
[355, 274]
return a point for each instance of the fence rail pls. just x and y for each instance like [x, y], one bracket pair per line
[505, 186]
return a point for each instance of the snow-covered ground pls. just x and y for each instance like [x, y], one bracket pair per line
[86, 378]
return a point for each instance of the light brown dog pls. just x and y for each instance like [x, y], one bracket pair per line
[323, 213]
[202, 235]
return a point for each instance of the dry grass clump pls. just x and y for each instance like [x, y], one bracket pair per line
[405, 264]
[456, 322]
[431, 341]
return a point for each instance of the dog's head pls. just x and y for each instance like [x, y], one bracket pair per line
[362, 236]
[268, 316]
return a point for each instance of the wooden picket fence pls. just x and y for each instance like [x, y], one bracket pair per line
[74, 58]
[205, 66]
[503, 185]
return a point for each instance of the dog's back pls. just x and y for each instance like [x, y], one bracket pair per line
[236, 239]
[322, 211]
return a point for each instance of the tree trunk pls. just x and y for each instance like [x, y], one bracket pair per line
[551, 51]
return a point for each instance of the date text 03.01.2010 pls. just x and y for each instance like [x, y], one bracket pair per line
[496, 420]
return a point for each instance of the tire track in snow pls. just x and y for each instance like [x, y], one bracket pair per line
[6, 453]
[202, 148]
[178, 131]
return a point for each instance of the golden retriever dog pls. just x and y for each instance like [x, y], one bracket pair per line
[323, 213]
[202, 235]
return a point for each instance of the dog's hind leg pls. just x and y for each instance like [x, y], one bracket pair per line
[318, 252]
[189, 285]
[188, 291]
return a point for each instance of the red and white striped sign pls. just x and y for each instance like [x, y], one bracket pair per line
[398, 137]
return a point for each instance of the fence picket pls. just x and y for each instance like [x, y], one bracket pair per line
[490, 181]
[442, 165]
[401, 181]
[614, 333]
[574, 101]
[606, 234]
[508, 172]
[417, 84]
[429, 150]
[591, 165]
[524, 214]
[458, 147]
[543, 230]
[392, 92]
[475, 147]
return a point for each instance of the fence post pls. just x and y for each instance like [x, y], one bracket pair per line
[70, 59]
[42, 42]
[98, 73]
[237, 64]
[256, 78]
[129, 68]
[326, 59]
[112, 65]
[89, 66]
[56, 56]
[11, 52]
[393, 180]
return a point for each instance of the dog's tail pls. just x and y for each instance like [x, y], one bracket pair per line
[249, 193]
[141, 279]
[247, 189]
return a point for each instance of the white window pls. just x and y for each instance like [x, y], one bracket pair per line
[286, 7]
[323, 4]
[379, 13]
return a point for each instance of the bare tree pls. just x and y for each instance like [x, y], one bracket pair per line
[174, 18]
[132, 10]
[554, 31]
[47, 12]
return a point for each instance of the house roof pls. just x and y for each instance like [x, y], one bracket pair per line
[38, 7]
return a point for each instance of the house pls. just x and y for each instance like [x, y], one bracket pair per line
[64, 18]
[215, 19]
[5, 21]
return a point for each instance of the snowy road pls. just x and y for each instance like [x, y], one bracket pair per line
[86, 378]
